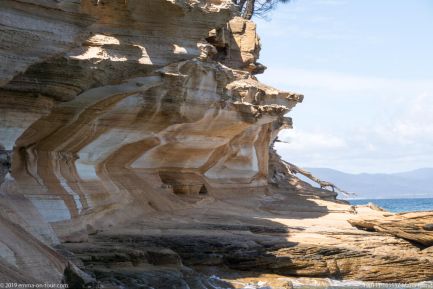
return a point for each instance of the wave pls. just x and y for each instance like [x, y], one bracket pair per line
[311, 283]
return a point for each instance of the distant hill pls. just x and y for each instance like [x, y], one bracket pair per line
[413, 184]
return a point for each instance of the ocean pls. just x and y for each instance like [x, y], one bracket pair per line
[399, 205]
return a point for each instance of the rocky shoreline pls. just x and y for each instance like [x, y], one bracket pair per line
[136, 151]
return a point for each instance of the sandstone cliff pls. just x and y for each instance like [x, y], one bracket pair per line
[134, 149]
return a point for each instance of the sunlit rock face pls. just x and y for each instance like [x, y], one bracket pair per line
[112, 109]
[134, 153]
[180, 129]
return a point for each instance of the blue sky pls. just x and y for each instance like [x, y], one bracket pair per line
[366, 70]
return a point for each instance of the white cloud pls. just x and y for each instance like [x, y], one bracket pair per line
[331, 81]
[368, 89]
[311, 141]
[403, 142]
[414, 125]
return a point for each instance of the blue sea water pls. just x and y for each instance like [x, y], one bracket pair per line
[399, 205]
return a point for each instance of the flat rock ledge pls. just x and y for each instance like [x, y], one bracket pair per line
[416, 227]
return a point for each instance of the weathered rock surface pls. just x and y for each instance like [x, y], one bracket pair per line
[416, 227]
[283, 233]
[134, 153]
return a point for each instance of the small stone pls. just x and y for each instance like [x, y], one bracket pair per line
[287, 285]
[163, 257]
[428, 227]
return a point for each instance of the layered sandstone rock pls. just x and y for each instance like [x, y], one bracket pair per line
[135, 141]
[115, 109]
[415, 227]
